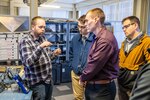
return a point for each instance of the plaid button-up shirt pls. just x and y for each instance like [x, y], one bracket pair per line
[36, 60]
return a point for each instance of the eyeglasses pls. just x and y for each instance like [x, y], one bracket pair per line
[81, 26]
[42, 27]
[126, 26]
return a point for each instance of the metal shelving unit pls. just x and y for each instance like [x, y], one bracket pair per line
[60, 34]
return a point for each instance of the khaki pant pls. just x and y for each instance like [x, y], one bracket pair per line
[78, 90]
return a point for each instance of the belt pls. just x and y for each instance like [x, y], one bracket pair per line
[100, 82]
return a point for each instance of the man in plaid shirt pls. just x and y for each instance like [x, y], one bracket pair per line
[36, 57]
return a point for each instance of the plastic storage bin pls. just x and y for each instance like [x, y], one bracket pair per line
[56, 73]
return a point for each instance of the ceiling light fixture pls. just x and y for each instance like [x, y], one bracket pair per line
[49, 6]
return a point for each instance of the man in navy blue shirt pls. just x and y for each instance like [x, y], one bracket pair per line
[79, 49]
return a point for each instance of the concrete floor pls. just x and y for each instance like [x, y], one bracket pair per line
[64, 92]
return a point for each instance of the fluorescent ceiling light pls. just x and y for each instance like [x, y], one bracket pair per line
[49, 6]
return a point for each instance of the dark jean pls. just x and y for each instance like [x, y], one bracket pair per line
[42, 91]
[100, 91]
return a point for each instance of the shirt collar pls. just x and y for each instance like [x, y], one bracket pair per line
[89, 37]
[136, 38]
[100, 31]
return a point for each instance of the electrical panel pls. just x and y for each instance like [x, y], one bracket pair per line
[8, 47]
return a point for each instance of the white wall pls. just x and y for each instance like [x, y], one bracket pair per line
[83, 10]
[22, 11]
